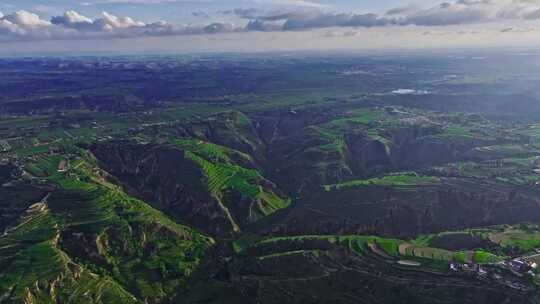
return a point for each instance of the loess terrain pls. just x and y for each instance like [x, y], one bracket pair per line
[224, 179]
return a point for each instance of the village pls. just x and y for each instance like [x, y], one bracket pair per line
[513, 272]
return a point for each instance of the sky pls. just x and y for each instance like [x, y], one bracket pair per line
[170, 26]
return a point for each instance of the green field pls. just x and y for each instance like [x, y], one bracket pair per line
[85, 205]
[411, 179]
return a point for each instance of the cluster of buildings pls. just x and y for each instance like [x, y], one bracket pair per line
[521, 266]
[4, 146]
[470, 268]
[512, 273]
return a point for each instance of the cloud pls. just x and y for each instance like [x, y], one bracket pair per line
[448, 13]
[400, 10]
[294, 15]
[23, 25]
[333, 34]
[307, 19]
[26, 19]
[302, 3]
[291, 3]
[470, 11]
[97, 2]
[517, 30]
[72, 19]
[459, 12]
[409, 92]
[200, 14]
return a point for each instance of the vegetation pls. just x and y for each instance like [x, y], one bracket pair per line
[522, 240]
[313, 178]
[410, 179]
[224, 175]
[483, 257]
[211, 152]
[139, 253]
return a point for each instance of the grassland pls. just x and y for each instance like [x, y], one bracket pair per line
[496, 240]
[522, 240]
[483, 257]
[357, 118]
[90, 242]
[398, 252]
[211, 152]
[223, 175]
[393, 248]
[137, 252]
[407, 179]
[369, 120]
[456, 130]
[36, 269]
[355, 243]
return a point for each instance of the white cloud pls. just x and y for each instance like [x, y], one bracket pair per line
[447, 13]
[23, 25]
[26, 19]
[300, 3]
[517, 29]
[96, 2]
[295, 15]
[114, 22]
[26, 24]
[72, 19]
[409, 92]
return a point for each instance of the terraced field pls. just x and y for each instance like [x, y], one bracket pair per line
[228, 185]
[47, 246]
[411, 179]
[524, 241]
[224, 176]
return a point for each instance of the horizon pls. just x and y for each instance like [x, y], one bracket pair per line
[382, 52]
[157, 26]
[270, 151]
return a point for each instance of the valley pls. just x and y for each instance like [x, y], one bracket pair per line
[346, 189]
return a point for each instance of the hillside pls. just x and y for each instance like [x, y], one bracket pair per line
[269, 179]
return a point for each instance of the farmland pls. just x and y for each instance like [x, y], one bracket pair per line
[265, 178]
